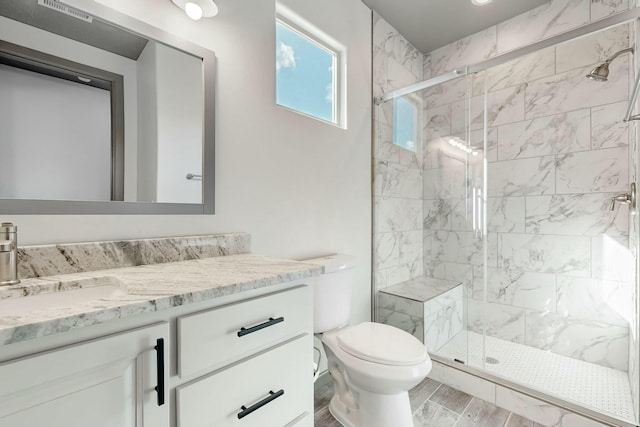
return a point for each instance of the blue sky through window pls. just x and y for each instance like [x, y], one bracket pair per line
[304, 74]
[405, 116]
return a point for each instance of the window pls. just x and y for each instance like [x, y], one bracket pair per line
[405, 124]
[306, 74]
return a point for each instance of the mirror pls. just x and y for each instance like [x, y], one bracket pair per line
[101, 114]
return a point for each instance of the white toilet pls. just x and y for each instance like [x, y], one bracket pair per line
[373, 366]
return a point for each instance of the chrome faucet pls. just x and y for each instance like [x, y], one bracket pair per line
[626, 198]
[8, 254]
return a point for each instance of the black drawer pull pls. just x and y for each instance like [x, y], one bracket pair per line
[246, 331]
[272, 396]
[160, 370]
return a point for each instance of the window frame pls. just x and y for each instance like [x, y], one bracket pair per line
[309, 32]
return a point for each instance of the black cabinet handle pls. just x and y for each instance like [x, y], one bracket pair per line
[272, 396]
[246, 331]
[160, 370]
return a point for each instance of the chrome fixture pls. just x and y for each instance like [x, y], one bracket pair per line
[8, 254]
[625, 198]
[601, 72]
[192, 176]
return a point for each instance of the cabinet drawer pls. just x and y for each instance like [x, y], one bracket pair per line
[218, 400]
[214, 338]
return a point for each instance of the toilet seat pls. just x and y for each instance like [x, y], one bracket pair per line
[383, 344]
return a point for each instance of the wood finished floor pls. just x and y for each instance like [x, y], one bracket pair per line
[435, 405]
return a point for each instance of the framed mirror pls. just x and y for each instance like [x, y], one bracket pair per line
[102, 114]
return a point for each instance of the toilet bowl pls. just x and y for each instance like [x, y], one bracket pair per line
[373, 366]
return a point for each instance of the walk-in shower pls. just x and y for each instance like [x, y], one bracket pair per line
[494, 240]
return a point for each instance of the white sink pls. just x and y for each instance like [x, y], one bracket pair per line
[69, 295]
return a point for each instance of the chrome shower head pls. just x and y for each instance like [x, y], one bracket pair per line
[600, 73]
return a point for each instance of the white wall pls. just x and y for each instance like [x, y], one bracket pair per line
[47, 124]
[301, 187]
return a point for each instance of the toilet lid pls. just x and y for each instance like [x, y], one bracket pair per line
[382, 344]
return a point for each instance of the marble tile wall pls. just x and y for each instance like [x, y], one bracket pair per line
[398, 173]
[560, 273]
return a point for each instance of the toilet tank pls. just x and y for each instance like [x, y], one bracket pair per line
[332, 293]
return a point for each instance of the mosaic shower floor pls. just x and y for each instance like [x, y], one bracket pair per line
[603, 389]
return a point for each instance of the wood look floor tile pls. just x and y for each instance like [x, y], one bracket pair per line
[431, 414]
[482, 414]
[450, 398]
[420, 393]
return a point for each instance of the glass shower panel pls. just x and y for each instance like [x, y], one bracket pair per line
[560, 275]
[453, 212]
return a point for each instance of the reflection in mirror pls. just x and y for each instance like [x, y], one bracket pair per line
[92, 112]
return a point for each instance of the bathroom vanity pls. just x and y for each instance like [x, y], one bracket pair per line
[217, 341]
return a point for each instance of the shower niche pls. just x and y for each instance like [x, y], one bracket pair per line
[494, 240]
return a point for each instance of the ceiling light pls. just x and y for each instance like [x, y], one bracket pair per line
[481, 2]
[196, 9]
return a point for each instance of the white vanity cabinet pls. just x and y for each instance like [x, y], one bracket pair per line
[248, 353]
[106, 382]
[254, 359]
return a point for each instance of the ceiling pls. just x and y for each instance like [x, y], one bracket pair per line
[430, 24]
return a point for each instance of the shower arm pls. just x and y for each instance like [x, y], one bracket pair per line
[623, 51]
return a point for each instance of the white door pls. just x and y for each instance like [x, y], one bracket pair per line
[108, 382]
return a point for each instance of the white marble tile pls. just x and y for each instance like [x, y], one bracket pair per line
[439, 154]
[447, 93]
[576, 214]
[611, 259]
[593, 171]
[442, 325]
[410, 247]
[444, 300]
[402, 273]
[395, 180]
[410, 324]
[437, 121]
[387, 250]
[545, 254]
[603, 8]
[438, 214]
[496, 320]
[400, 305]
[462, 381]
[607, 128]
[462, 247]
[461, 215]
[533, 176]
[530, 67]
[598, 300]
[393, 214]
[467, 51]
[545, 21]
[506, 214]
[560, 133]
[445, 183]
[503, 106]
[571, 90]
[535, 291]
[539, 411]
[592, 49]
[389, 43]
[591, 341]
[426, 66]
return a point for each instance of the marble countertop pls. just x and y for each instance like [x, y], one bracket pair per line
[145, 289]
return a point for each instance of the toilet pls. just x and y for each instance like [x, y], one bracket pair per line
[373, 366]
